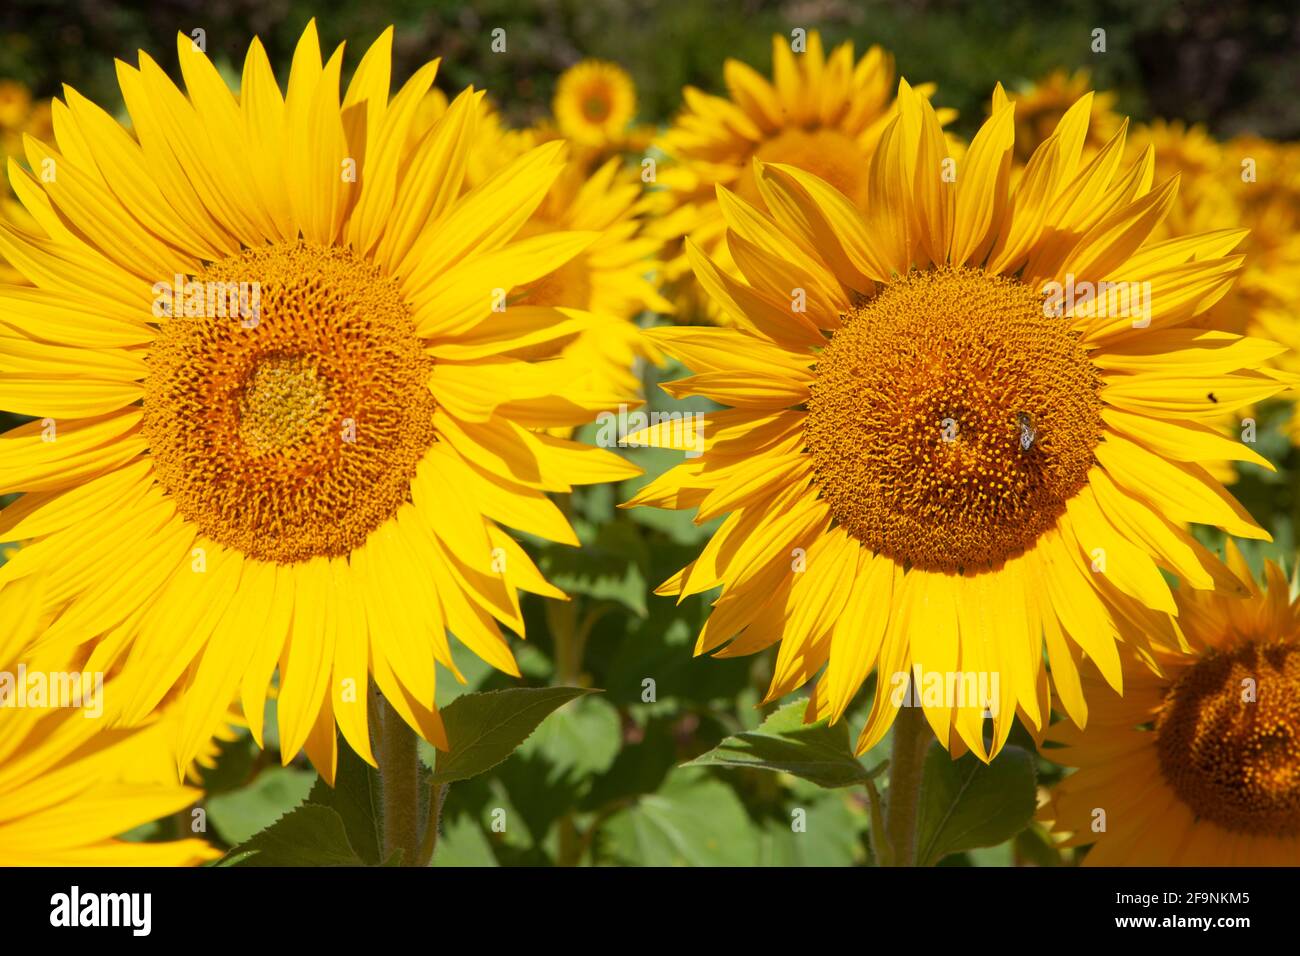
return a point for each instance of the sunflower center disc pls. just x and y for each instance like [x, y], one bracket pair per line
[595, 105]
[293, 432]
[283, 404]
[1228, 737]
[951, 420]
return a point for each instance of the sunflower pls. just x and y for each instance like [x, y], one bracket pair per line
[1041, 104]
[68, 789]
[494, 144]
[167, 716]
[1204, 203]
[20, 115]
[612, 276]
[325, 469]
[68, 786]
[927, 464]
[821, 114]
[1199, 763]
[1205, 200]
[594, 103]
[1269, 203]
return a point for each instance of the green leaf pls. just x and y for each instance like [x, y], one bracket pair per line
[238, 814]
[354, 797]
[827, 829]
[967, 804]
[660, 648]
[311, 835]
[485, 728]
[552, 770]
[693, 820]
[1033, 845]
[818, 753]
[463, 843]
[640, 767]
[232, 766]
[579, 741]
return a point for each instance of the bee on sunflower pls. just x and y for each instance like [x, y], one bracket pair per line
[885, 510]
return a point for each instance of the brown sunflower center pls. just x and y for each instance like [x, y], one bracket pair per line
[1228, 737]
[951, 420]
[827, 153]
[290, 425]
[596, 104]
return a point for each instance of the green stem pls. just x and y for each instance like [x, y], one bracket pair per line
[570, 842]
[432, 825]
[562, 619]
[906, 767]
[879, 842]
[399, 776]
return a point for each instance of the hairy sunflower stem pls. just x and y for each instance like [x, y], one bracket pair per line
[399, 777]
[879, 842]
[433, 825]
[912, 738]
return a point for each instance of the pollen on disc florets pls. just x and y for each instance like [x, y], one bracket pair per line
[292, 432]
[1228, 738]
[951, 419]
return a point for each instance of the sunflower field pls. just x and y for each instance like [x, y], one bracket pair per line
[637, 434]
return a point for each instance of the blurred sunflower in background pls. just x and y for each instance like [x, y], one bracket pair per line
[1253, 185]
[20, 116]
[1041, 104]
[69, 788]
[1265, 178]
[1199, 763]
[595, 103]
[823, 114]
[326, 471]
[614, 279]
[926, 465]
